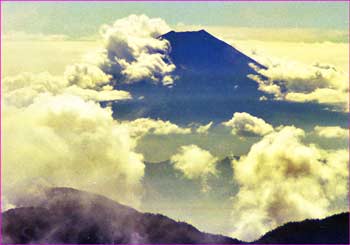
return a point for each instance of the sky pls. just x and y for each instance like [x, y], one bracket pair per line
[84, 19]
[56, 133]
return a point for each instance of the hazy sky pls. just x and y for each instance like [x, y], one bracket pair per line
[80, 19]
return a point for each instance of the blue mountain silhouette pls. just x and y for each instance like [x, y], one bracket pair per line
[211, 85]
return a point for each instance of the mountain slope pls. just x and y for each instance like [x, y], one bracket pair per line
[209, 73]
[333, 229]
[203, 62]
[211, 85]
[201, 52]
[66, 215]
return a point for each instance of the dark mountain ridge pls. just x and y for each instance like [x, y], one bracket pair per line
[65, 215]
[331, 230]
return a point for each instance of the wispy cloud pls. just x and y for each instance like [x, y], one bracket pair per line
[203, 129]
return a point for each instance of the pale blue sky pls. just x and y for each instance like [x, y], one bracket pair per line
[83, 19]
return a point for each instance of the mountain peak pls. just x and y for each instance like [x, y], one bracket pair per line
[204, 32]
[207, 69]
[200, 33]
[200, 52]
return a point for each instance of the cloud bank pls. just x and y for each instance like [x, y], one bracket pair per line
[292, 81]
[245, 125]
[283, 179]
[21, 90]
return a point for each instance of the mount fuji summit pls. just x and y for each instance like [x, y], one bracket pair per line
[210, 74]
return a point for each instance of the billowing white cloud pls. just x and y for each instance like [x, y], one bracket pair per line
[203, 129]
[57, 135]
[195, 163]
[64, 140]
[331, 132]
[86, 76]
[297, 82]
[22, 89]
[282, 179]
[142, 126]
[134, 51]
[243, 124]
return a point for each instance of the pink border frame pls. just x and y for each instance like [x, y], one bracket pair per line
[125, 1]
[193, 1]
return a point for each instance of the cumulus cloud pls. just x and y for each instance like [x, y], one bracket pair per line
[65, 140]
[195, 163]
[86, 76]
[282, 179]
[203, 129]
[142, 126]
[134, 51]
[331, 132]
[244, 125]
[292, 81]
